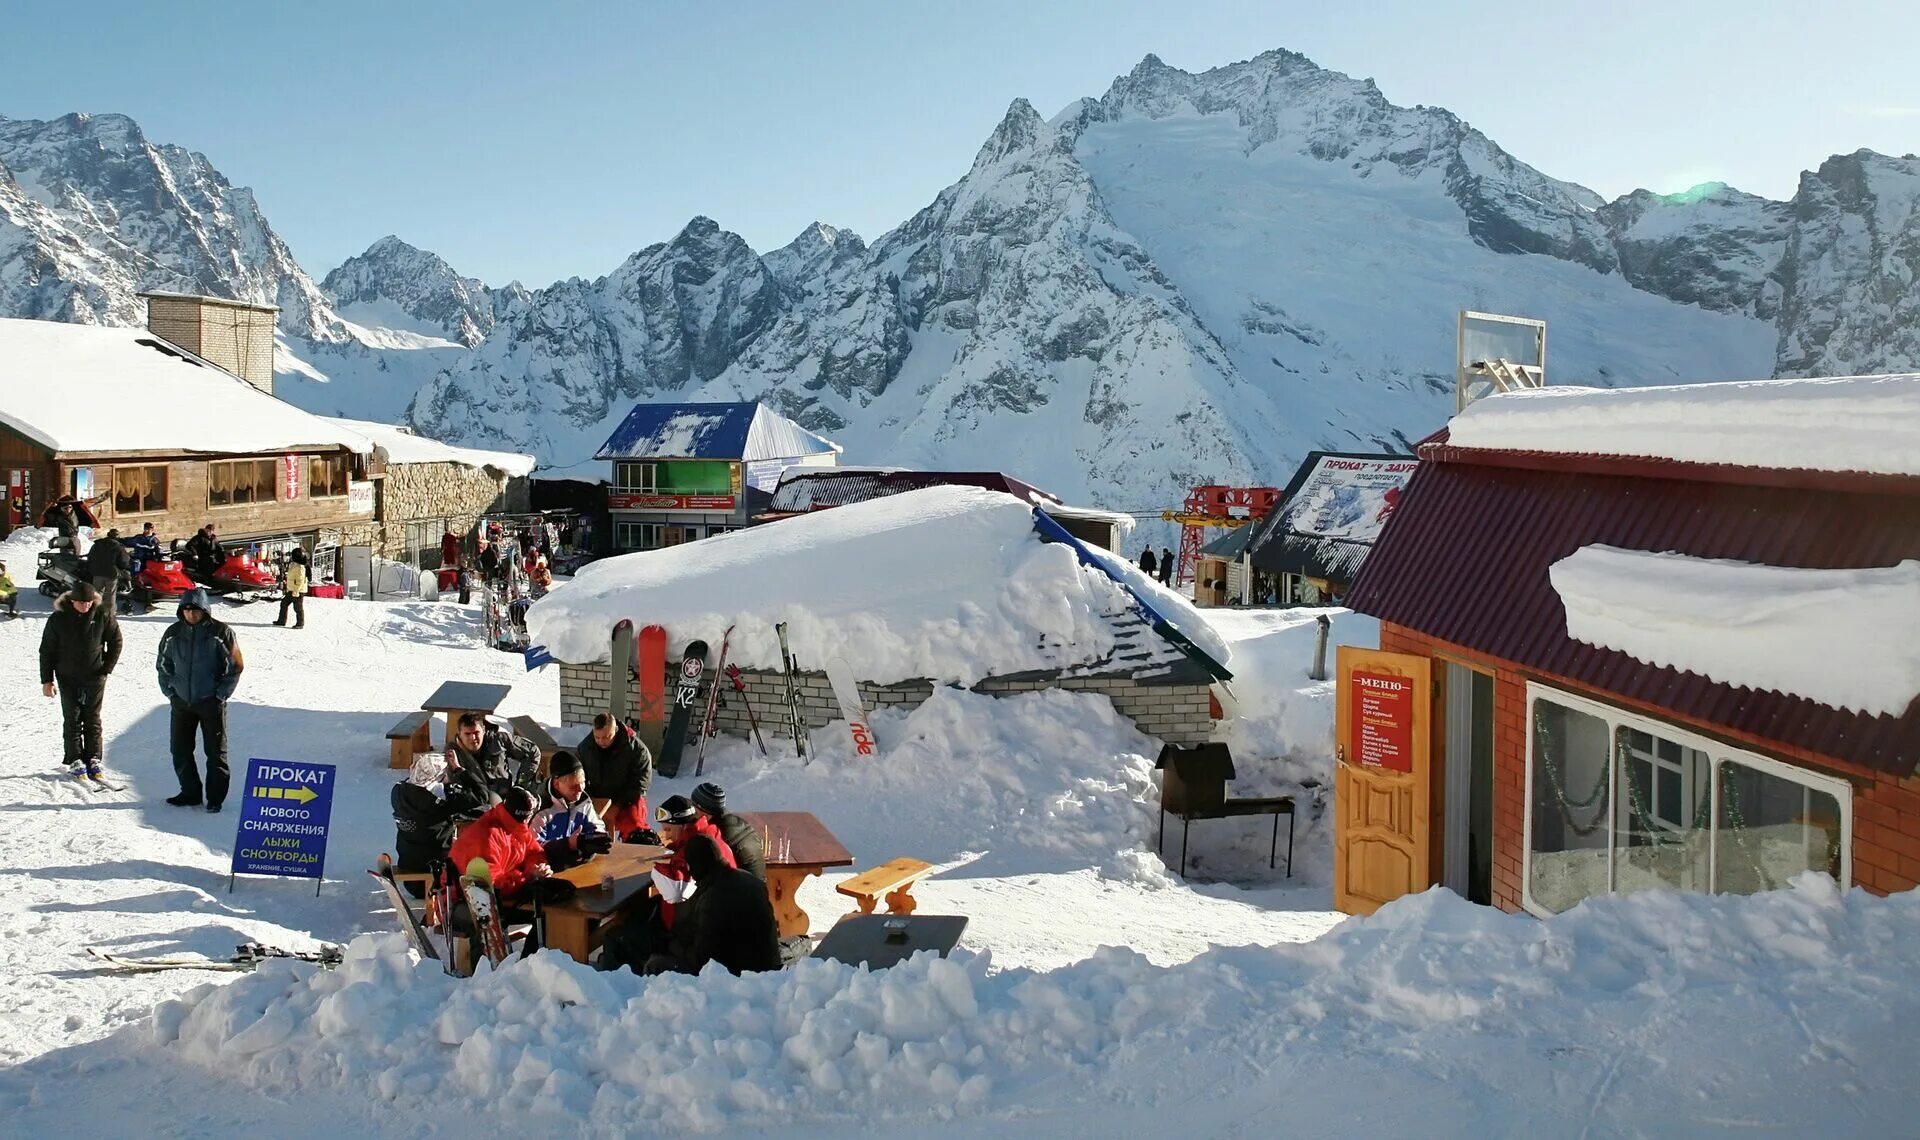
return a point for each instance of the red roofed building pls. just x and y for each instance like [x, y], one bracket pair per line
[1642, 638]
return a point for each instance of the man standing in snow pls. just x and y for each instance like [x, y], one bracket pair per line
[1147, 564]
[619, 768]
[294, 589]
[740, 837]
[1166, 567]
[107, 563]
[79, 647]
[199, 665]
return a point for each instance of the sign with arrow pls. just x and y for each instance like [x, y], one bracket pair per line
[285, 809]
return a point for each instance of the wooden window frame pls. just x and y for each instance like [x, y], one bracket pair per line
[166, 488]
[1717, 753]
[321, 489]
[270, 466]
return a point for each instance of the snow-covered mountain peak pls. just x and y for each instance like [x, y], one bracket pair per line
[1020, 129]
[398, 286]
[805, 264]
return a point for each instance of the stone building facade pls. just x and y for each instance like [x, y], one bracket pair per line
[1173, 706]
[417, 502]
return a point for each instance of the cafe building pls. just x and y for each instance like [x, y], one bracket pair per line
[1641, 638]
[683, 472]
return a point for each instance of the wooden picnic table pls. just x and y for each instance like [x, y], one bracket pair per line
[809, 849]
[454, 698]
[577, 926]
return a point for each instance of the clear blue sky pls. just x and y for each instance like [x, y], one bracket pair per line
[544, 140]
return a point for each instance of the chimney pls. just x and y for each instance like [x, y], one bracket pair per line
[236, 335]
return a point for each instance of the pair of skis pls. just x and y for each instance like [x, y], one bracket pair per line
[245, 957]
[846, 692]
[476, 887]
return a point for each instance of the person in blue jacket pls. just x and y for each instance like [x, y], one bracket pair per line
[199, 665]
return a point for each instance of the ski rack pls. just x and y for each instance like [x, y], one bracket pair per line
[1054, 532]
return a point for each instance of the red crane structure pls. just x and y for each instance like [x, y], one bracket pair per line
[1216, 505]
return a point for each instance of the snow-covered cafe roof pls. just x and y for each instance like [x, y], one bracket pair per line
[948, 583]
[80, 389]
[745, 431]
[1865, 424]
[403, 446]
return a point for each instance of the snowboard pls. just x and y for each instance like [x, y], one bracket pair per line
[846, 691]
[652, 687]
[403, 907]
[713, 703]
[620, 670]
[740, 687]
[794, 721]
[477, 885]
[692, 667]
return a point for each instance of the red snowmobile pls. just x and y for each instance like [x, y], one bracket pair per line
[240, 579]
[164, 577]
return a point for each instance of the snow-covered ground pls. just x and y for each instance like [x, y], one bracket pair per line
[1095, 993]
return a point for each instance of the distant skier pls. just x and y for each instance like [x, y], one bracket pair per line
[1147, 564]
[199, 665]
[1166, 567]
[9, 593]
[79, 646]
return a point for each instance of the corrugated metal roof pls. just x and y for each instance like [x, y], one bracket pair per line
[745, 431]
[1465, 560]
[811, 489]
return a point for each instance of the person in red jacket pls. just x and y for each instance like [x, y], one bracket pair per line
[501, 838]
[632, 943]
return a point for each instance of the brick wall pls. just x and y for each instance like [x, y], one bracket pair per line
[1177, 714]
[1886, 809]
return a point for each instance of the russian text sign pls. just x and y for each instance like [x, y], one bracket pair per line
[284, 810]
[1383, 721]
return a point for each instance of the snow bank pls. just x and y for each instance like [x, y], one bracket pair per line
[1428, 982]
[949, 583]
[1848, 423]
[1845, 638]
[403, 446]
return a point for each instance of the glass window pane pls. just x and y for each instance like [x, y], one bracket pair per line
[1771, 829]
[219, 484]
[1568, 808]
[155, 498]
[1661, 827]
[126, 490]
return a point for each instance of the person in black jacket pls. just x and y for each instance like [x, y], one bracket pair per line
[731, 917]
[619, 769]
[485, 760]
[107, 563]
[748, 852]
[204, 553]
[1166, 567]
[79, 647]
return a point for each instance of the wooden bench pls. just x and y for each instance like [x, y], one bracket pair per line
[526, 728]
[413, 734]
[894, 880]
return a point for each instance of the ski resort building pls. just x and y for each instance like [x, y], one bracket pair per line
[1661, 637]
[157, 433]
[940, 586]
[803, 490]
[683, 472]
[427, 488]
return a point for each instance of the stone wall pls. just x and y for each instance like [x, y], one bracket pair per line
[1177, 714]
[432, 491]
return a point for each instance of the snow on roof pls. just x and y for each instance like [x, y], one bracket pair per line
[1849, 639]
[1845, 423]
[947, 583]
[1333, 510]
[403, 446]
[78, 388]
[816, 488]
[745, 431]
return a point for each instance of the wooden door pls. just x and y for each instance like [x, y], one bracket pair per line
[1381, 778]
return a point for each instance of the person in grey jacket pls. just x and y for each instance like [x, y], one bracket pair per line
[199, 664]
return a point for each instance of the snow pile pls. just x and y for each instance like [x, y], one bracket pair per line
[948, 583]
[1848, 423]
[20, 550]
[1849, 639]
[403, 446]
[1280, 712]
[1813, 984]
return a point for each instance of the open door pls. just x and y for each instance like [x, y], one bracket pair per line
[1381, 789]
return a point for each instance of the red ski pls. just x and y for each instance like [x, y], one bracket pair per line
[652, 687]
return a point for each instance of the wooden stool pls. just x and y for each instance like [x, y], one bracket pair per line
[894, 879]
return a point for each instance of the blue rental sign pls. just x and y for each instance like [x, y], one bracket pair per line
[284, 810]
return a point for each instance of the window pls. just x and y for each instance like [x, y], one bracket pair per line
[238, 482]
[1619, 803]
[139, 489]
[636, 536]
[636, 478]
[327, 476]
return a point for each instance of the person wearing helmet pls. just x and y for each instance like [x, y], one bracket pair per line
[740, 836]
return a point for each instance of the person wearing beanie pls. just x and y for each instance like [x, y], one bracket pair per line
[568, 828]
[619, 768]
[634, 943]
[502, 839]
[79, 646]
[730, 920]
[740, 836]
[199, 666]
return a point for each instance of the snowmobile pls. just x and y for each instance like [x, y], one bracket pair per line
[240, 580]
[59, 569]
[163, 577]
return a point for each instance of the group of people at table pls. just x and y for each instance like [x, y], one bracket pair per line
[485, 798]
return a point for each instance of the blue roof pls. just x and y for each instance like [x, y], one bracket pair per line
[744, 431]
